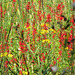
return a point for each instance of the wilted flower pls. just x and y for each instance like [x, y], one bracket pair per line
[54, 69]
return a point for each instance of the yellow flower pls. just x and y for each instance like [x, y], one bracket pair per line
[10, 55]
[25, 72]
[44, 31]
[1, 55]
[66, 48]
[52, 30]
[5, 54]
[48, 40]
[28, 27]
[42, 24]
[43, 41]
[47, 24]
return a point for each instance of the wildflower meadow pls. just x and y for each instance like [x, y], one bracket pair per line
[37, 37]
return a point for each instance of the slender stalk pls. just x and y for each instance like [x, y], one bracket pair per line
[43, 6]
[25, 63]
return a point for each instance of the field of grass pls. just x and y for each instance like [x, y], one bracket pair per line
[37, 37]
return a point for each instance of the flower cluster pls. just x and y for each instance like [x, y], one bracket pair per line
[23, 47]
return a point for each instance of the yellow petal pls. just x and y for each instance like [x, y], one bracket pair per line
[1, 55]
[66, 48]
[42, 24]
[47, 24]
[25, 72]
[43, 41]
[48, 40]
[10, 55]
[5, 53]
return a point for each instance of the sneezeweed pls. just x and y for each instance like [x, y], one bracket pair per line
[53, 30]
[66, 48]
[45, 40]
[44, 31]
[42, 24]
[26, 73]
[3, 54]
[10, 55]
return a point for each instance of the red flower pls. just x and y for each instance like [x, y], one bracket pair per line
[60, 52]
[20, 72]
[6, 62]
[48, 18]
[15, 60]
[41, 60]
[44, 57]
[28, 6]
[54, 62]
[58, 58]
[71, 9]
[4, 12]
[59, 7]
[39, 12]
[74, 24]
[7, 47]
[53, 35]
[27, 24]
[1, 27]
[32, 61]
[46, 53]
[40, 18]
[22, 31]
[39, 3]
[71, 27]
[72, 20]
[6, 65]
[71, 31]
[61, 12]
[14, 0]
[62, 6]
[61, 18]
[21, 61]
[22, 47]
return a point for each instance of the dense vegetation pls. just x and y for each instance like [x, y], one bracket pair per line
[37, 37]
